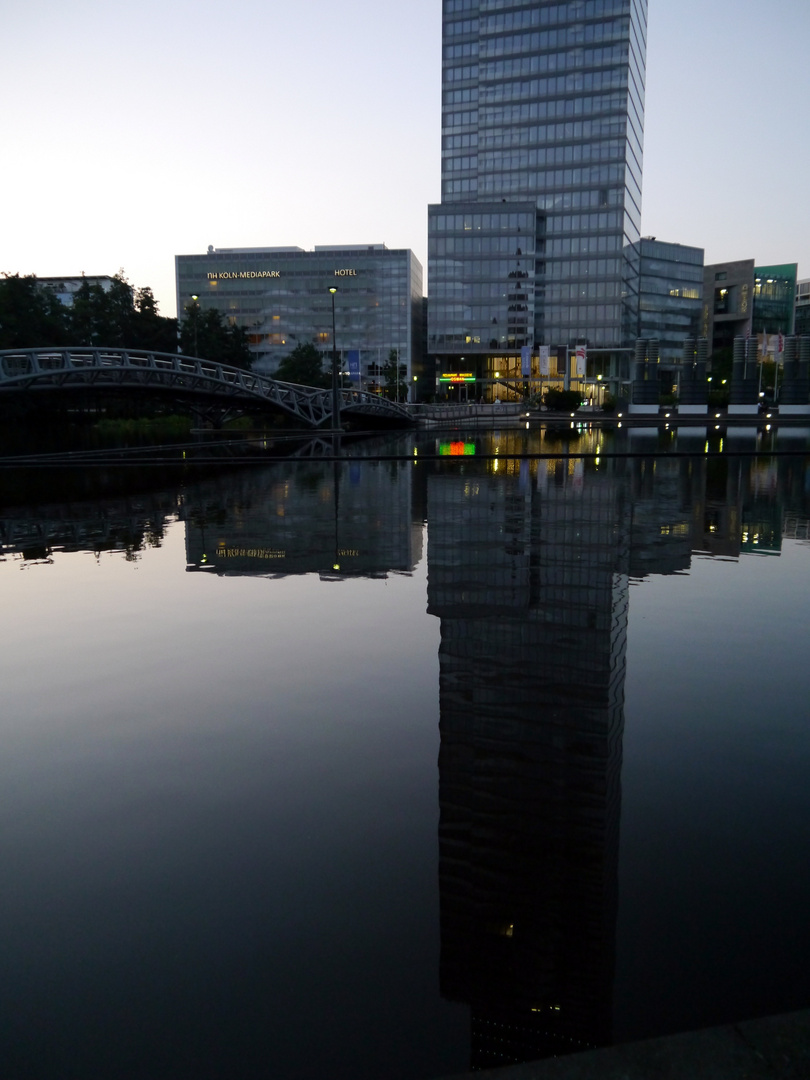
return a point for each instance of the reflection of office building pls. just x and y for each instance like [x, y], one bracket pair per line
[280, 296]
[530, 582]
[534, 241]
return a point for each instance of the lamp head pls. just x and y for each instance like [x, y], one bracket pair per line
[333, 289]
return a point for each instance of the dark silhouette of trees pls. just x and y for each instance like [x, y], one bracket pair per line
[304, 365]
[30, 315]
[206, 334]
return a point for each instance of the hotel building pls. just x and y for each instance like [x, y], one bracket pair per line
[281, 297]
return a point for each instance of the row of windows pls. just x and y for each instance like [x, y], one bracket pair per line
[612, 78]
[454, 28]
[571, 39]
[465, 50]
[459, 119]
[491, 184]
[584, 245]
[521, 67]
[475, 222]
[592, 290]
[667, 273]
[567, 38]
[502, 270]
[660, 257]
[555, 201]
[598, 336]
[553, 13]
[504, 138]
[484, 245]
[592, 313]
[460, 74]
[505, 115]
[469, 140]
[581, 268]
[495, 292]
[606, 150]
[577, 34]
[566, 223]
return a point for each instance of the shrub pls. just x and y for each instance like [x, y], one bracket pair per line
[562, 400]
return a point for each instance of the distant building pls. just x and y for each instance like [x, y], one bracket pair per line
[802, 310]
[670, 294]
[66, 288]
[774, 299]
[728, 290]
[740, 299]
[280, 296]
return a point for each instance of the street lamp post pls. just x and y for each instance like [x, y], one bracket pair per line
[335, 394]
[196, 310]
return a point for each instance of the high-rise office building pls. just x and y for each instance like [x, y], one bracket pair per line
[535, 241]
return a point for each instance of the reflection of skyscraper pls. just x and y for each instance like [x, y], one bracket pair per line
[530, 582]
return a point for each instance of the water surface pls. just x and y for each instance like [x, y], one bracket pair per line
[387, 768]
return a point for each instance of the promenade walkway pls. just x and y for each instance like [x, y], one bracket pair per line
[772, 1048]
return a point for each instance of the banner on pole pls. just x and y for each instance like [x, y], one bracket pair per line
[582, 359]
[545, 363]
[526, 361]
[353, 356]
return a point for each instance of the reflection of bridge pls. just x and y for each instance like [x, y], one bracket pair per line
[59, 370]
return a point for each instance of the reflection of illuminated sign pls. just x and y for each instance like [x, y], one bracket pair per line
[456, 449]
[456, 377]
[250, 553]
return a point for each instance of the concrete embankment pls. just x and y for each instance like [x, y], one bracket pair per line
[772, 1048]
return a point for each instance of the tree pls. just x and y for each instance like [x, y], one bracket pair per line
[30, 315]
[149, 329]
[207, 335]
[395, 375]
[304, 365]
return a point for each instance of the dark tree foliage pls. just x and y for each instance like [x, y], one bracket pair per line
[395, 375]
[304, 365]
[206, 334]
[30, 315]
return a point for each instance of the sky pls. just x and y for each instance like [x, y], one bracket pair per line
[130, 133]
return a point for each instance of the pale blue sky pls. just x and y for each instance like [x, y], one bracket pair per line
[131, 133]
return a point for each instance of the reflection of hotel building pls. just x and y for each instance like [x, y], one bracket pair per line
[351, 519]
[280, 296]
[529, 578]
[535, 239]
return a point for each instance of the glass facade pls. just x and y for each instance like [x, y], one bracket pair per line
[802, 315]
[542, 110]
[670, 294]
[774, 298]
[280, 296]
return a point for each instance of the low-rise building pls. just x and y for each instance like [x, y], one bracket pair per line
[670, 294]
[281, 297]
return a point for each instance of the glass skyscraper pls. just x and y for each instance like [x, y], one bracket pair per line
[535, 241]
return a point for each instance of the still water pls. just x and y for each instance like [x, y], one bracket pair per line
[394, 768]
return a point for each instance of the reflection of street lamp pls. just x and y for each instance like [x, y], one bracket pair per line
[195, 309]
[335, 395]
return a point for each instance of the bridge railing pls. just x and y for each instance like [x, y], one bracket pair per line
[32, 368]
